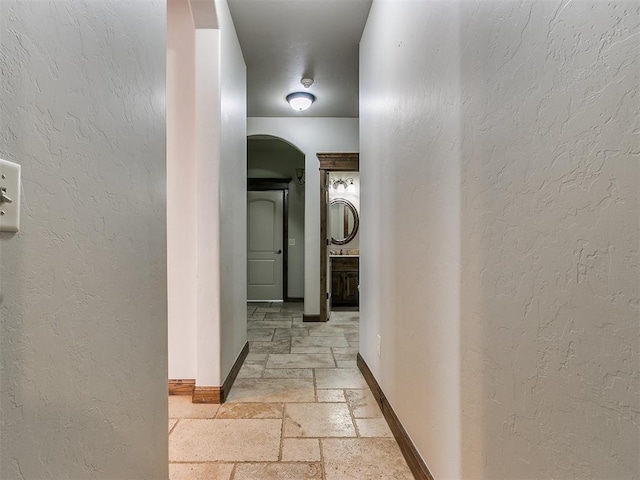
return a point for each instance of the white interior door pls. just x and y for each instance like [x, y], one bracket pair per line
[264, 245]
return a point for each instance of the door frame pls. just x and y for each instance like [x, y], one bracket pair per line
[330, 162]
[264, 184]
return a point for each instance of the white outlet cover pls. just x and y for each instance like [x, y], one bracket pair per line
[10, 183]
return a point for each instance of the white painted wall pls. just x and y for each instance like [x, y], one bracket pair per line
[181, 189]
[311, 136]
[410, 222]
[233, 192]
[207, 284]
[271, 158]
[502, 136]
[207, 247]
[83, 340]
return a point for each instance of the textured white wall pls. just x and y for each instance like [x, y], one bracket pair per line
[409, 238]
[83, 339]
[233, 191]
[207, 246]
[311, 135]
[278, 159]
[501, 265]
[550, 239]
[181, 190]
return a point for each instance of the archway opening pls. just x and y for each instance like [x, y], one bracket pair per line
[275, 174]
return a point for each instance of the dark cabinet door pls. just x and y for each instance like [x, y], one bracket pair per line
[337, 287]
[344, 281]
[351, 280]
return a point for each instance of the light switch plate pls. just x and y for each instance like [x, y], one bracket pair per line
[292, 242]
[10, 198]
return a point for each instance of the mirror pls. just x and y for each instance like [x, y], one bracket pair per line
[344, 220]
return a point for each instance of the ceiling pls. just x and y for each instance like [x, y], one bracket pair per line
[286, 40]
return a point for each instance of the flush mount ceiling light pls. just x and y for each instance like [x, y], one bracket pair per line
[302, 100]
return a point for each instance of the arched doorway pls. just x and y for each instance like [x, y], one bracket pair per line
[275, 220]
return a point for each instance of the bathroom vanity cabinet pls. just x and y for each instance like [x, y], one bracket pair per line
[345, 277]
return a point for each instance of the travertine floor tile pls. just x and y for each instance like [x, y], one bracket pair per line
[272, 309]
[172, 423]
[272, 390]
[277, 346]
[330, 396]
[340, 378]
[291, 332]
[342, 353]
[301, 360]
[180, 406]
[253, 357]
[200, 471]
[333, 330]
[364, 459]
[373, 427]
[225, 440]
[278, 471]
[326, 350]
[362, 404]
[260, 334]
[287, 373]
[346, 363]
[266, 324]
[299, 386]
[340, 341]
[300, 450]
[251, 370]
[250, 410]
[317, 420]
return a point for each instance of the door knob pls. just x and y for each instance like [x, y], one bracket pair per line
[278, 252]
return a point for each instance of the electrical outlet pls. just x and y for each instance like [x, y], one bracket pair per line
[379, 345]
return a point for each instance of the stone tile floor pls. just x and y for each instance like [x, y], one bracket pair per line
[299, 409]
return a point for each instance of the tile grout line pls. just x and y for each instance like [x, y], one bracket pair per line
[284, 413]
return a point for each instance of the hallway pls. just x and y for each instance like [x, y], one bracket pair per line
[299, 409]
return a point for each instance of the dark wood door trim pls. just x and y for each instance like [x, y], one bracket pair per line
[264, 184]
[330, 162]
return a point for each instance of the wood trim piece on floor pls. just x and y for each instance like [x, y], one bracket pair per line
[181, 386]
[311, 318]
[411, 455]
[220, 394]
[207, 395]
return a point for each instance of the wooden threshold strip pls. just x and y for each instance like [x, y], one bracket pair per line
[408, 449]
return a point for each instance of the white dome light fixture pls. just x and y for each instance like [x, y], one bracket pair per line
[301, 100]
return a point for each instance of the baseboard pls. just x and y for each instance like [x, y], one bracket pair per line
[207, 395]
[233, 373]
[219, 394]
[411, 455]
[295, 299]
[181, 386]
[311, 318]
